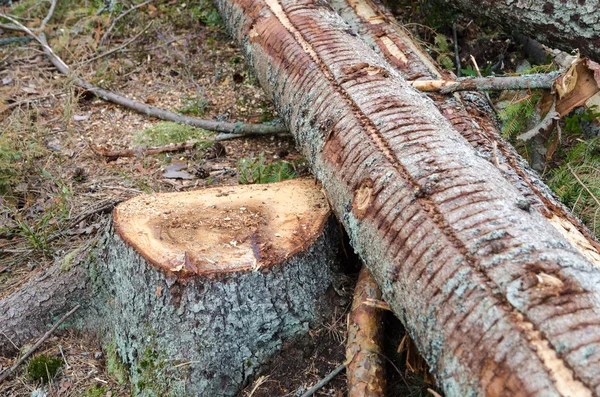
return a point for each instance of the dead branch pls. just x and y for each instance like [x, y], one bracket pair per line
[117, 19]
[48, 17]
[365, 368]
[143, 152]
[324, 381]
[237, 128]
[16, 26]
[112, 51]
[524, 82]
[37, 344]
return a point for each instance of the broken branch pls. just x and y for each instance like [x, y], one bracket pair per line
[524, 82]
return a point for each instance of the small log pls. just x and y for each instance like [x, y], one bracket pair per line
[204, 286]
[364, 350]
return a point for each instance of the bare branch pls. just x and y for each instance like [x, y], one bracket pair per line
[524, 82]
[117, 19]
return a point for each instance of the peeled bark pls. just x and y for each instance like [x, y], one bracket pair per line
[468, 114]
[565, 24]
[496, 299]
[364, 349]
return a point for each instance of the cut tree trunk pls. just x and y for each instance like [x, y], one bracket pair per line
[564, 24]
[469, 114]
[497, 300]
[197, 290]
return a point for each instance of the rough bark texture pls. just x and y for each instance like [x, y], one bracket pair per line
[364, 350]
[566, 24]
[225, 329]
[496, 299]
[467, 112]
[30, 312]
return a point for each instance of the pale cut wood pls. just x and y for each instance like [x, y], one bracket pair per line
[208, 284]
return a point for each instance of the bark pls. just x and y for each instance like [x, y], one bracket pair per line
[364, 350]
[566, 24]
[470, 115]
[198, 304]
[196, 290]
[496, 299]
[31, 311]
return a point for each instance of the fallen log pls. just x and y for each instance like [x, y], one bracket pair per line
[565, 24]
[198, 290]
[469, 116]
[496, 299]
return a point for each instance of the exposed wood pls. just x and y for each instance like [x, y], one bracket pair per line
[424, 210]
[37, 344]
[565, 24]
[578, 86]
[213, 281]
[364, 350]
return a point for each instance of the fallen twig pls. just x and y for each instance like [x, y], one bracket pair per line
[48, 17]
[211, 125]
[143, 152]
[324, 381]
[37, 344]
[17, 26]
[117, 19]
[524, 82]
[112, 51]
[544, 125]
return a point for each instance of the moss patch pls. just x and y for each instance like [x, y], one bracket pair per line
[166, 133]
[43, 368]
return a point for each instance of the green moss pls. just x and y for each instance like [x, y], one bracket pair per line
[95, 391]
[42, 366]
[256, 170]
[168, 132]
[152, 377]
[114, 364]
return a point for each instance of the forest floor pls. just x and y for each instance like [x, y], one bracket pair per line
[56, 193]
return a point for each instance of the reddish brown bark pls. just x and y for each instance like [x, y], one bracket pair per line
[364, 351]
[482, 281]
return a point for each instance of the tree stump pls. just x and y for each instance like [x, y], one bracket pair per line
[204, 286]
